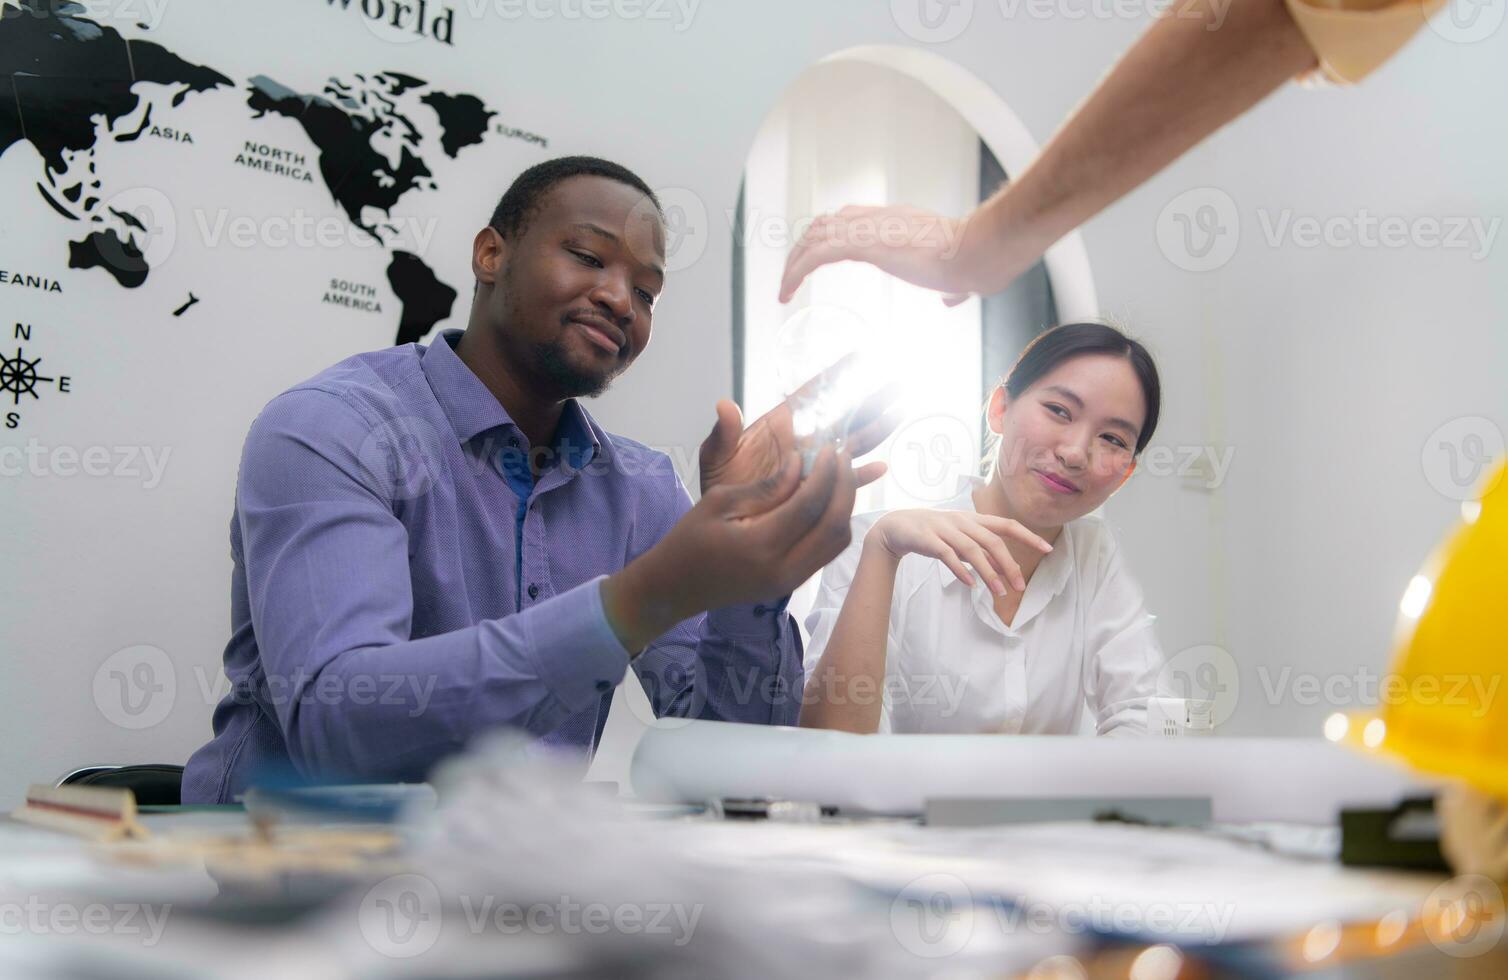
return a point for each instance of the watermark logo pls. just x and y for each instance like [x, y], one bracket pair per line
[929, 456]
[1198, 230]
[685, 226]
[1464, 917]
[400, 916]
[1203, 673]
[1469, 21]
[151, 229]
[933, 916]
[1458, 454]
[135, 687]
[400, 458]
[932, 21]
[672, 677]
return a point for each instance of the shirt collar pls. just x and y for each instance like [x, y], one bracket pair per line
[1046, 582]
[472, 409]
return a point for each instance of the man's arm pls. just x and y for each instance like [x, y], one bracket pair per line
[737, 663]
[1193, 71]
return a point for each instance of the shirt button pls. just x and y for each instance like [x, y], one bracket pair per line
[603, 685]
[761, 609]
[533, 592]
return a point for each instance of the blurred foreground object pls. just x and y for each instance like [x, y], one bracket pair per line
[1449, 658]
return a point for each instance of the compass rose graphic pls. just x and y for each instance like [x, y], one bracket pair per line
[18, 376]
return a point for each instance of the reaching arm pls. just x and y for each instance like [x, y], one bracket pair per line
[1193, 71]
[1183, 80]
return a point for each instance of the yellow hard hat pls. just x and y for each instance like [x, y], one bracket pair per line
[1444, 705]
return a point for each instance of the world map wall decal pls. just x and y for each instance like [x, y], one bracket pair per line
[69, 84]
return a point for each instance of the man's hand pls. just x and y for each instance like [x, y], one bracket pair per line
[734, 456]
[740, 543]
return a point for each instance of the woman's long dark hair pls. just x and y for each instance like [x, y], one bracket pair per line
[1052, 347]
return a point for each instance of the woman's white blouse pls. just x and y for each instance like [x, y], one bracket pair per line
[1082, 637]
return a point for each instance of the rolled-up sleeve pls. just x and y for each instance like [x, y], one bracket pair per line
[1352, 38]
[327, 570]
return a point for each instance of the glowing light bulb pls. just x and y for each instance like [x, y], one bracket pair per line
[828, 361]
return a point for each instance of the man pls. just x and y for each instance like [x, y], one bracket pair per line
[1196, 69]
[431, 543]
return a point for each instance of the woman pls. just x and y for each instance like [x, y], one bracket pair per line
[1006, 609]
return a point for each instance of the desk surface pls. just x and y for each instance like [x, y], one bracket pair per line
[1248, 890]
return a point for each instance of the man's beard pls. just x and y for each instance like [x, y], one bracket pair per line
[553, 365]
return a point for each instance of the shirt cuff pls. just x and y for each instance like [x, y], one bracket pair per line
[576, 652]
[758, 620]
[1352, 38]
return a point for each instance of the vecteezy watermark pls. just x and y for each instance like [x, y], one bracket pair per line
[929, 457]
[403, 916]
[36, 459]
[35, 916]
[685, 228]
[402, 694]
[853, 227]
[932, 21]
[1469, 21]
[1203, 673]
[1365, 687]
[1200, 230]
[679, 14]
[150, 224]
[134, 688]
[1465, 916]
[300, 229]
[937, 915]
[142, 14]
[1458, 454]
[940, 21]
[940, 695]
[1213, 12]
[1202, 467]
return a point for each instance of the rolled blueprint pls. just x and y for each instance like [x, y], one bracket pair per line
[1304, 780]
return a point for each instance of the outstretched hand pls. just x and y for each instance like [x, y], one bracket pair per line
[733, 455]
[955, 256]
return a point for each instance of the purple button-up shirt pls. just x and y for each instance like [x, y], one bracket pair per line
[395, 593]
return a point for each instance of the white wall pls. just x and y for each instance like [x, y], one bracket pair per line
[1325, 369]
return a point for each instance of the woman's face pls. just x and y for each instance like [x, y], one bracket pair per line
[1067, 441]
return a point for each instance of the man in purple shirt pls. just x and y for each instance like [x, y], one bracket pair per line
[431, 543]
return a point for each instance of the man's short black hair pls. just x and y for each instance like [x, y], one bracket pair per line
[512, 214]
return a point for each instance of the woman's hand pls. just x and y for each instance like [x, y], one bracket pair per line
[958, 539]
